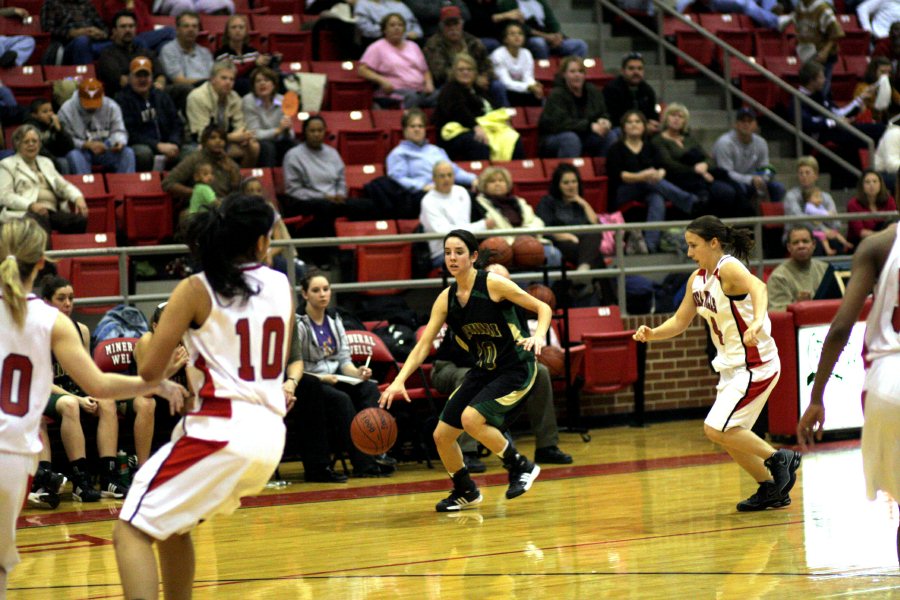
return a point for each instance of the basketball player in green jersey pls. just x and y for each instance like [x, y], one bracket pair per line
[479, 308]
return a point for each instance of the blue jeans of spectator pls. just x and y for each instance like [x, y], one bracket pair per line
[761, 13]
[682, 200]
[569, 46]
[490, 44]
[552, 255]
[7, 99]
[155, 38]
[569, 144]
[651, 196]
[22, 45]
[83, 50]
[497, 92]
[80, 161]
[775, 190]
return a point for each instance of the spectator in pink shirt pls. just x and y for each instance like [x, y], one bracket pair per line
[397, 66]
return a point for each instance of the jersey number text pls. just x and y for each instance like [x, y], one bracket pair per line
[271, 350]
[15, 391]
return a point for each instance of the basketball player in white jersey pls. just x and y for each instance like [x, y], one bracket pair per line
[235, 320]
[29, 331]
[876, 269]
[733, 302]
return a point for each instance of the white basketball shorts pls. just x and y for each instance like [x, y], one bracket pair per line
[227, 450]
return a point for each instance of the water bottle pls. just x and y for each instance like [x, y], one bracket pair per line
[122, 465]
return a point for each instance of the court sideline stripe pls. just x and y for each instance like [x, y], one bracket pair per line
[413, 487]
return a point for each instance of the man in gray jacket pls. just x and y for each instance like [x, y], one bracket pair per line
[745, 155]
[96, 125]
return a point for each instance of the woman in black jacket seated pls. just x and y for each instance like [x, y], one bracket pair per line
[636, 174]
[565, 205]
[688, 166]
[461, 102]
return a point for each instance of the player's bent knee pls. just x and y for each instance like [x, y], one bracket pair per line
[67, 407]
[144, 405]
[714, 435]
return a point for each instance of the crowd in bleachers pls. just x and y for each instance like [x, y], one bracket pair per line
[205, 86]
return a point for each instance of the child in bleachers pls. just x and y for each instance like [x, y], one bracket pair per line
[203, 195]
[514, 67]
[824, 232]
[279, 257]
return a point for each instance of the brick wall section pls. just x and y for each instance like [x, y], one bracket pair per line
[678, 375]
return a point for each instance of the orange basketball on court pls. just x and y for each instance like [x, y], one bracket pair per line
[528, 251]
[543, 293]
[499, 249]
[373, 431]
[554, 359]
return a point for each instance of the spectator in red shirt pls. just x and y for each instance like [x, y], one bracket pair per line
[871, 196]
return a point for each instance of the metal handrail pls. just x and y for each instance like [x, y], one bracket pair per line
[797, 97]
[618, 271]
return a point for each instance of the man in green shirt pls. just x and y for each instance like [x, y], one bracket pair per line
[799, 277]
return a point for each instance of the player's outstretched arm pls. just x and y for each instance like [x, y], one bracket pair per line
[867, 262]
[189, 303]
[73, 358]
[675, 324]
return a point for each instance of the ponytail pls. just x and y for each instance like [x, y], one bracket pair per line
[21, 248]
[737, 242]
[223, 237]
[740, 242]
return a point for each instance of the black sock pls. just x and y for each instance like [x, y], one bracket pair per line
[462, 481]
[79, 466]
[45, 465]
[510, 456]
[108, 466]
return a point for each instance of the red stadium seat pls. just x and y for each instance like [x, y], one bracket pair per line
[377, 262]
[148, 182]
[671, 25]
[528, 132]
[358, 176]
[147, 215]
[101, 204]
[265, 177]
[697, 47]
[772, 43]
[285, 35]
[56, 72]
[610, 356]
[92, 276]
[358, 141]
[529, 180]
[594, 73]
[160, 21]
[27, 83]
[474, 166]
[284, 7]
[855, 43]
[545, 70]
[346, 90]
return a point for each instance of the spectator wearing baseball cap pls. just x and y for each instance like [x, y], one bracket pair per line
[430, 13]
[450, 40]
[114, 61]
[744, 154]
[154, 127]
[369, 14]
[98, 131]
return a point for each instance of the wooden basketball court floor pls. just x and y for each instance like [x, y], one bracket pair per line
[643, 513]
